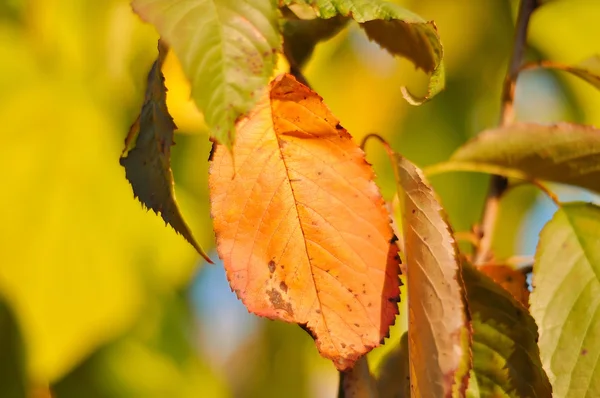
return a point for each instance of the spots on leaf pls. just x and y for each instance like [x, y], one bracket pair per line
[271, 266]
[278, 301]
[283, 286]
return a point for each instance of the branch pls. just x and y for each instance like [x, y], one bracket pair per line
[499, 184]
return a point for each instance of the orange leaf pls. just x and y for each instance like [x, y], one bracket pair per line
[301, 226]
[510, 279]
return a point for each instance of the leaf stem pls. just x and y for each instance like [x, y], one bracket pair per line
[544, 64]
[498, 184]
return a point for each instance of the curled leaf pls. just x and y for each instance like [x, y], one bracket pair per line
[227, 49]
[438, 331]
[399, 31]
[301, 226]
[147, 155]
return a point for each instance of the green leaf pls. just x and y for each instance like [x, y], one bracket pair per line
[438, 331]
[588, 70]
[12, 356]
[394, 28]
[506, 358]
[565, 153]
[566, 300]
[227, 49]
[148, 164]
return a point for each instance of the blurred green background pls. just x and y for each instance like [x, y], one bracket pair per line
[99, 299]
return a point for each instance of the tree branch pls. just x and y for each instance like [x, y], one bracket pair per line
[499, 184]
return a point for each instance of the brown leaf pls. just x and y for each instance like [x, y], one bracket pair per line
[148, 164]
[438, 331]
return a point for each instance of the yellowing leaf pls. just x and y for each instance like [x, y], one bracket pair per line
[566, 300]
[506, 358]
[148, 164]
[227, 50]
[301, 226]
[566, 153]
[438, 331]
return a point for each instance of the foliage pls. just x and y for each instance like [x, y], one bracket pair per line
[95, 291]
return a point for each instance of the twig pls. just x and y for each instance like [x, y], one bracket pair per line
[499, 184]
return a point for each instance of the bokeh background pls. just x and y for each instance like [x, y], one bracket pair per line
[99, 299]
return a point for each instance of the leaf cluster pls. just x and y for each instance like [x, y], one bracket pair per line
[303, 230]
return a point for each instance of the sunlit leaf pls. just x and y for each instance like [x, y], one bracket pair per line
[148, 164]
[564, 152]
[566, 300]
[77, 252]
[227, 50]
[301, 226]
[506, 358]
[395, 29]
[510, 279]
[438, 332]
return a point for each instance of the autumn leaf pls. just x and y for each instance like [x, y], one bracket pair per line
[438, 331]
[506, 358]
[301, 226]
[510, 279]
[401, 32]
[565, 300]
[148, 164]
[564, 152]
[227, 49]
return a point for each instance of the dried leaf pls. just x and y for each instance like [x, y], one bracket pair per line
[564, 152]
[227, 49]
[438, 331]
[148, 164]
[506, 358]
[396, 29]
[301, 226]
[510, 279]
[566, 300]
